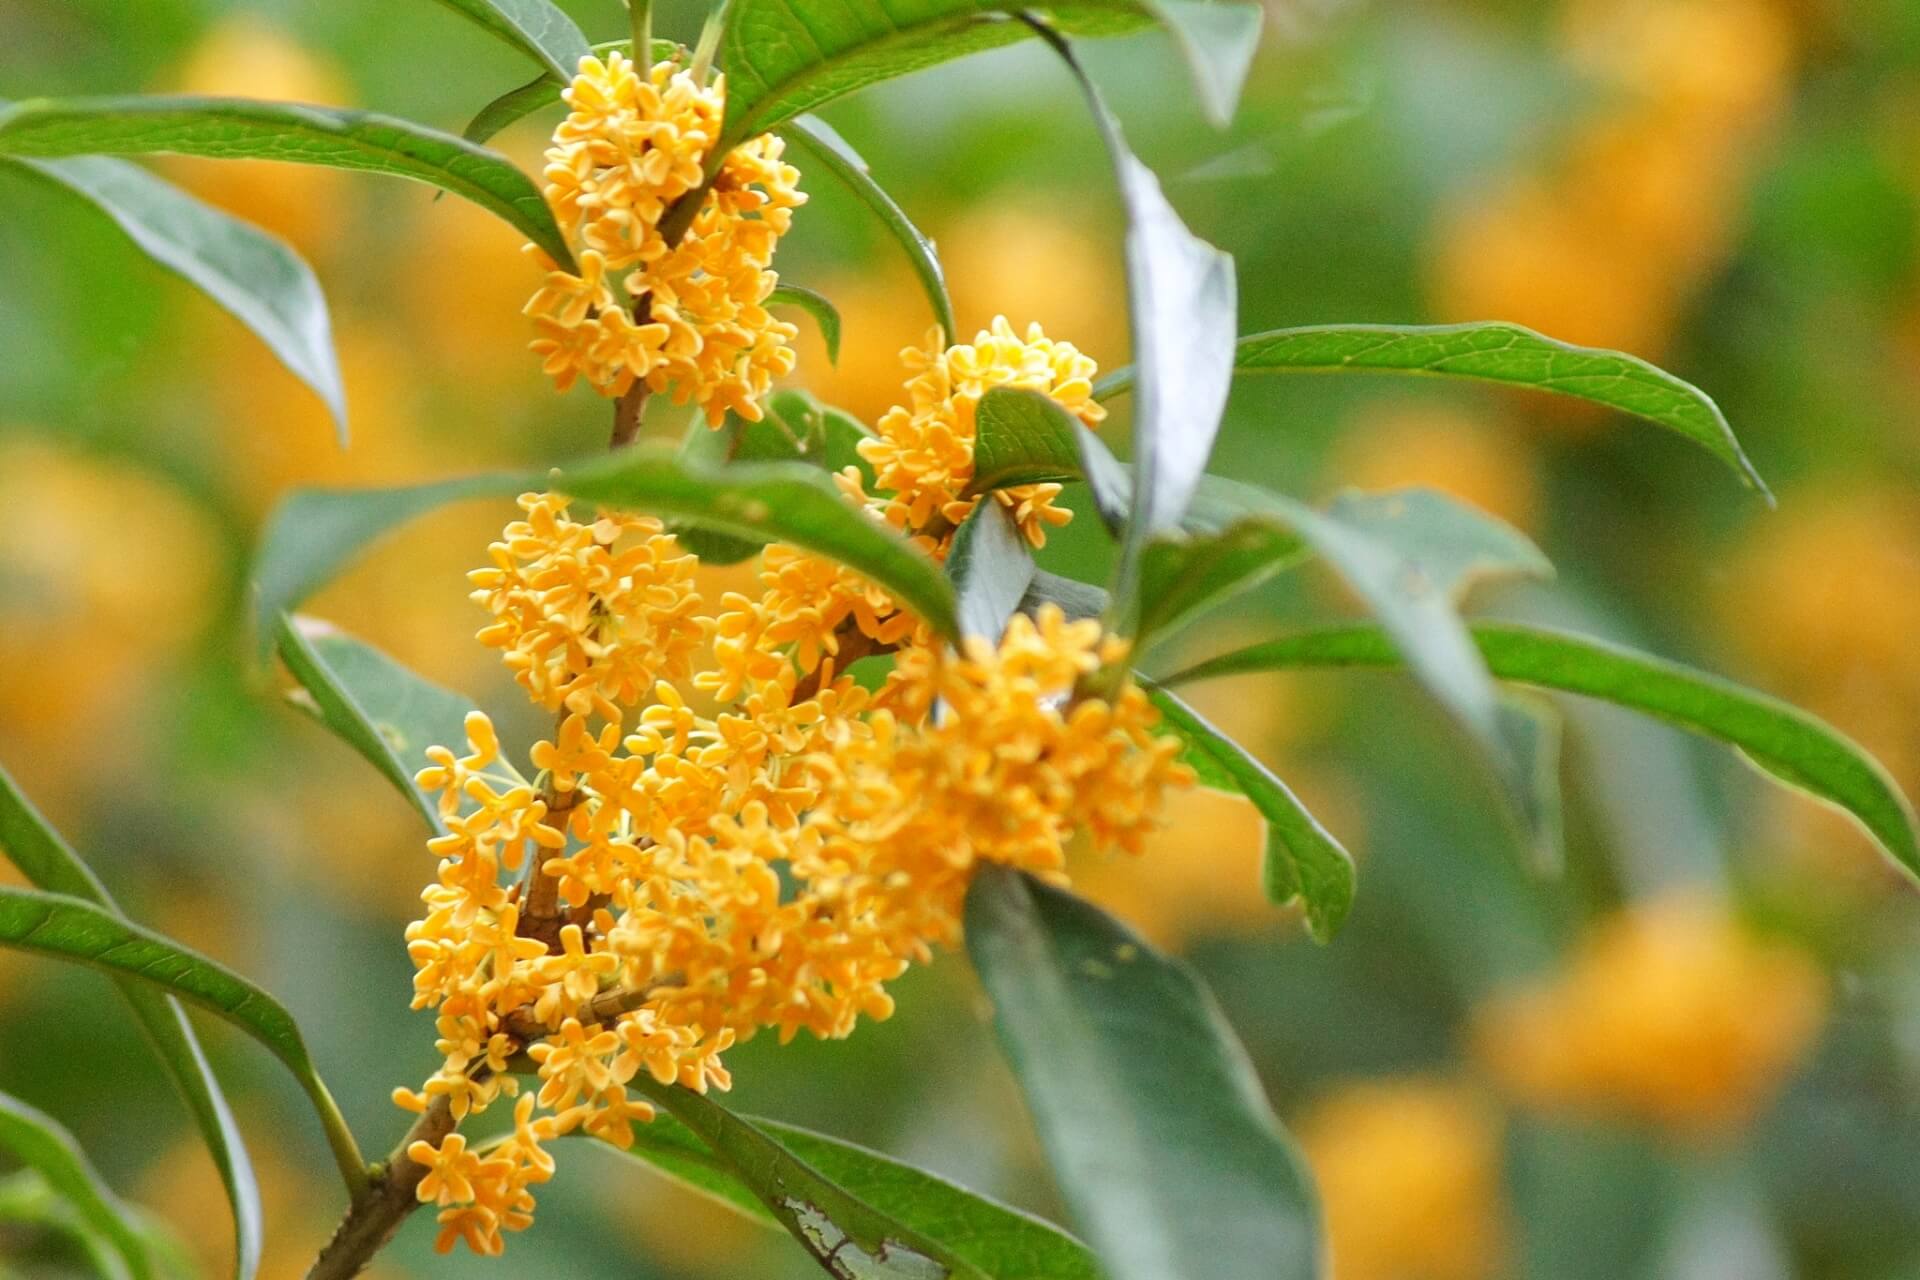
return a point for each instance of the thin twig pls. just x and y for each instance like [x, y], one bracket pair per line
[604, 1007]
[854, 644]
[394, 1193]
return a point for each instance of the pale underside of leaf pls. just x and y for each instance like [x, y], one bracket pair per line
[259, 280]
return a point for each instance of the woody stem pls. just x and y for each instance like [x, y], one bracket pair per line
[378, 1211]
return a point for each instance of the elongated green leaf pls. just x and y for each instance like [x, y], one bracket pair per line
[264, 284]
[795, 428]
[376, 706]
[1783, 741]
[68, 928]
[32, 845]
[1150, 1113]
[38, 1141]
[991, 567]
[823, 312]
[1304, 862]
[783, 58]
[826, 150]
[537, 28]
[314, 532]
[510, 108]
[845, 1235]
[241, 128]
[1180, 308]
[788, 502]
[1001, 1242]
[1494, 352]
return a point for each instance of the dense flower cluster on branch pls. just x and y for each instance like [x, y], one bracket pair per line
[688, 317]
[726, 832]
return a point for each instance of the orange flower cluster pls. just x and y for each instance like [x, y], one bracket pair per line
[1671, 1013]
[689, 317]
[922, 457]
[723, 850]
[923, 452]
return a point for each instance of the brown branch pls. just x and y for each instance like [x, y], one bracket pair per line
[604, 1007]
[628, 410]
[378, 1212]
[854, 644]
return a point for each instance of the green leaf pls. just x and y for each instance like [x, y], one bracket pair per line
[1149, 1111]
[32, 845]
[382, 710]
[1409, 554]
[535, 27]
[1495, 352]
[1180, 307]
[1024, 437]
[816, 305]
[27, 1201]
[510, 108]
[1076, 599]
[39, 1142]
[314, 532]
[785, 502]
[1304, 862]
[1001, 1242]
[1785, 742]
[1450, 545]
[795, 428]
[845, 1235]
[1182, 577]
[991, 567]
[68, 928]
[264, 284]
[826, 150]
[241, 128]
[783, 57]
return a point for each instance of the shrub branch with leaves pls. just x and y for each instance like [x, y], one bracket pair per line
[726, 831]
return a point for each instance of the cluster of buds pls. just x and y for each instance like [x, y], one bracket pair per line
[726, 832]
[688, 316]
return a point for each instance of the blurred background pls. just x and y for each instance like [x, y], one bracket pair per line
[1695, 1054]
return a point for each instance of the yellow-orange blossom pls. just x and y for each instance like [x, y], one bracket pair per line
[689, 317]
[688, 772]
